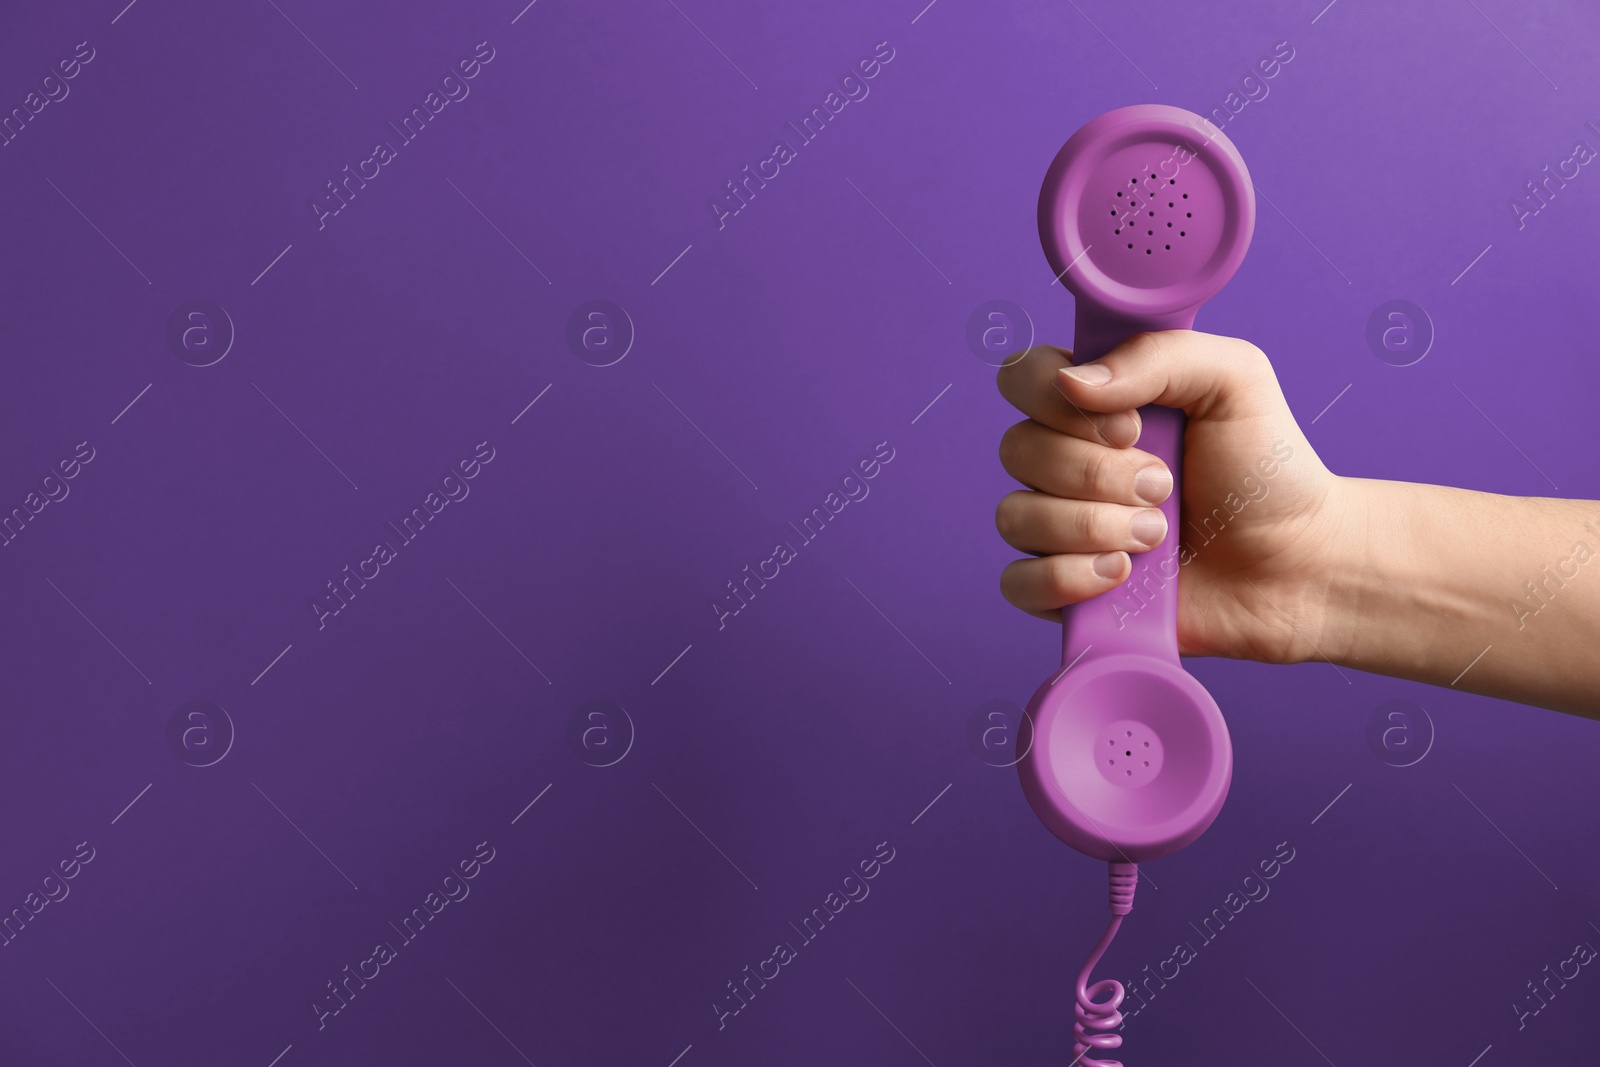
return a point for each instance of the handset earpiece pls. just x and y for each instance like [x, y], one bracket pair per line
[1145, 214]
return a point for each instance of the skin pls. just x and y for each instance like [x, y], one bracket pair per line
[1408, 580]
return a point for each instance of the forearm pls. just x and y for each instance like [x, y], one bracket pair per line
[1492, 594]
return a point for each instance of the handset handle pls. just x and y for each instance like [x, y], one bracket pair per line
[1141, 615]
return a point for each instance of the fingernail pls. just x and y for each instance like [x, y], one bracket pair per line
[1149, 527]
[1153, 484]
[1108, 565]
[1089, 373]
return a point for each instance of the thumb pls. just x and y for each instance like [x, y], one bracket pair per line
[1206, 375]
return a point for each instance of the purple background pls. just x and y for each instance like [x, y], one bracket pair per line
[820, 321]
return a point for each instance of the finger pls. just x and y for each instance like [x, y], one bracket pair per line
[1029, 383]
[1204, 374]
[1064, 466]
[1052, 582]
[1047, 525]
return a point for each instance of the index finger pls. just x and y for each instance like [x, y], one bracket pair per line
[1030, 384]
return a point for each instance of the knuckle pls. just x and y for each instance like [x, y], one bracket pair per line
[1023, 370]
[1085, 525]
[1006, 517]
[1013, 445]
[1010, 372]
[1015, 585]
[1008, 448]
[1098, 474]
[1020, 450]
[1106, 528]
[1059, 583]
[1253, 362]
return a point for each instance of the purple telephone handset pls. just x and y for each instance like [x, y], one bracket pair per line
[1145, 214]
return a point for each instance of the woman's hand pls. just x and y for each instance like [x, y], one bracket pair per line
[1263, 519]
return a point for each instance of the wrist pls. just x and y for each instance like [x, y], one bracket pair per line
[1347, 584]
[1391, 606]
